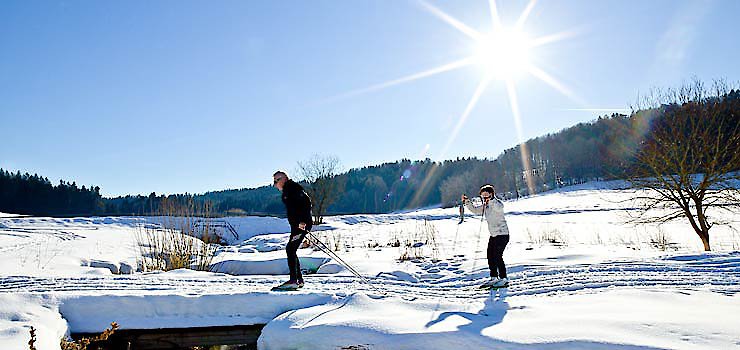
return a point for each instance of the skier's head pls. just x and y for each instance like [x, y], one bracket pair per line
[278, 179]
[487, 191]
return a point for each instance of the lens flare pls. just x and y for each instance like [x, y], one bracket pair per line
[504, 54]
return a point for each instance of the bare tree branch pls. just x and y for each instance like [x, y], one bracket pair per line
[320, 172]
[689, 161]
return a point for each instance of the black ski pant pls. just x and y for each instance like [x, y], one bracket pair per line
[496, 246]
[296, 238]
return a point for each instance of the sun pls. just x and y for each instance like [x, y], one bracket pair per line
[503, 54]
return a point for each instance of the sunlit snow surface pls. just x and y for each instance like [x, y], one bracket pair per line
[581, 277]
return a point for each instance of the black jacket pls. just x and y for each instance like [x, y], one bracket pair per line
[297, 203]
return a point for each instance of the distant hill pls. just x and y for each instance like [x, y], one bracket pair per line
[581, 153]
[595, 150]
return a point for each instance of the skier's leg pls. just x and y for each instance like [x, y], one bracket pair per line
[499, 245]
[298, 235]
[292, 251]
[491, 255]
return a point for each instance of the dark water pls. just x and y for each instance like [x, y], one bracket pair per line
[201, 338]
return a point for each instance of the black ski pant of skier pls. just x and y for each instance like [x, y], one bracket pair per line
[496, 246]
[296, 238]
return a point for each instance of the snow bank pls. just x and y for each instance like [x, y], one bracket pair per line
[18, 313]
[362, 322]
[624, 319]
[265, 243]
[247, 227]
[425, 214]
[95, 313]
[675, 319]
[267, 267]
[250, 226]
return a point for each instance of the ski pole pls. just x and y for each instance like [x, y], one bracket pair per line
[326, 250]
[332, 254]
[349, 267]
[454, 242]
[457, 229]
[462, 210]
[480, 229]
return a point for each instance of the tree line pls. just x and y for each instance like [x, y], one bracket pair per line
[35, 195]
[605, 148]
[609, 147]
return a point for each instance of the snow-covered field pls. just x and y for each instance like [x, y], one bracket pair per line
[582, 277]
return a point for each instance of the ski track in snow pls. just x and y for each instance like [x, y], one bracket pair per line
[720, 274]
[26, 232]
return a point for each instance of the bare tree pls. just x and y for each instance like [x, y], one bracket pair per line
[467, 183]
[689, 162]
[324, 186]
[452, 187]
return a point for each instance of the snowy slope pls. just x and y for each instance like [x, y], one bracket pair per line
[612, 319]
[582, 277]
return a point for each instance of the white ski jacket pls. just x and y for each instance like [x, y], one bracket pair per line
[494, 214]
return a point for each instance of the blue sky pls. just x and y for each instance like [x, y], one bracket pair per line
[192, 96]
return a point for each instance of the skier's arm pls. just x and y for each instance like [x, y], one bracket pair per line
[302, 206]
[298, 204]
[469, 205]
[305, 204]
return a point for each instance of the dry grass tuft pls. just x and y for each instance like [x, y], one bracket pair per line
[550, 236]
[662, 241]
[184, 238]
[84, 343]
[32, 341]
[422, 243]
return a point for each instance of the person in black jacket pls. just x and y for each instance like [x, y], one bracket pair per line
[298, 206]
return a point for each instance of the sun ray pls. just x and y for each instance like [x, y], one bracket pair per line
[427, 73]
[495, 18]
[500, 50]
[514, 104]
[551, 38]
[523, 17]
[464, 117]
[465, 29]
[550, 80]
[424, 187]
